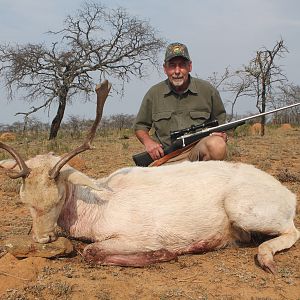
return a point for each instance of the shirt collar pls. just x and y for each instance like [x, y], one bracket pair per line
[191, 87]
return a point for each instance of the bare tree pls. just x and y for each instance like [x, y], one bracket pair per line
[109, 42]
[121, 121]
[239, 86]
[75, 126]
[232, 83]
[264, 74]
[218, 80]
[289, 94]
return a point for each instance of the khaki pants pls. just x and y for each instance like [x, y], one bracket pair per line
[190, 154]
[209, 148]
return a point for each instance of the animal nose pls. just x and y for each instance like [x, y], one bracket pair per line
[46, 238]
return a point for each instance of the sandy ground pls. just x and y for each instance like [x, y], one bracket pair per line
[229, 273]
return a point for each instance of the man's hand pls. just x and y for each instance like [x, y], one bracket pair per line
[154, 149]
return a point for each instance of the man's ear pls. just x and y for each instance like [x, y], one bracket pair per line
[190, 66]
[164, 66]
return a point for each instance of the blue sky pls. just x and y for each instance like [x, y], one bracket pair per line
[218, 34]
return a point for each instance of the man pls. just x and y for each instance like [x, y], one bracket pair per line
[179, 102]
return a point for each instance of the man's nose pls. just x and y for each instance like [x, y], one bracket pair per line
[177, 69]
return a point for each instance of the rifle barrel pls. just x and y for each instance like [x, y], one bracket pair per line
[242, 120]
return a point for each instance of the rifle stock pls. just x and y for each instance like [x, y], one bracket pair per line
[144, 159]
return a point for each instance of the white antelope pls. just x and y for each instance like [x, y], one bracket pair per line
[139, 216]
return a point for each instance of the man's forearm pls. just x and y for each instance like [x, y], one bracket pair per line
[143, 136]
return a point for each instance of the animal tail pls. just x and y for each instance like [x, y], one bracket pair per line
[267, 249]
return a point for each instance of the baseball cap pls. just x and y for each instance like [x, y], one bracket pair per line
[175, 50]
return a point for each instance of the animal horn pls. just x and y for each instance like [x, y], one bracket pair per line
[24, 170]
[102, 91]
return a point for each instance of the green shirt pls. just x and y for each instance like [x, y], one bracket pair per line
[164, 110]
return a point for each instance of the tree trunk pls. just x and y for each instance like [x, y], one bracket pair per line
[263, 107]
[55, 125]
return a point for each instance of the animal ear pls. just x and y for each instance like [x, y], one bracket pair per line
[8, 164]
[24, 170]
[78, 178]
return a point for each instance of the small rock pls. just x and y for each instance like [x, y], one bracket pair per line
[24, 246]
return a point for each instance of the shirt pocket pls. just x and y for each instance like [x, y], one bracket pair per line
[162, 124]
[162, 115]
[199, 116]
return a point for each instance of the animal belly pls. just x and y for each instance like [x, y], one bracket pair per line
[201, 246]
[114, 253]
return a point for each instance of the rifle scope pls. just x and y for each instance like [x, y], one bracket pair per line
[177, 133]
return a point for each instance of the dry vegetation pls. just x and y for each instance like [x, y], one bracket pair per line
[226, 274]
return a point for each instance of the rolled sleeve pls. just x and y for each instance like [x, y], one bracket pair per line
[143, 119]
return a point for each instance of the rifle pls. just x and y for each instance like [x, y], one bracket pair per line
[187, 136]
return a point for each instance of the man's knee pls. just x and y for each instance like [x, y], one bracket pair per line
[217, 148]
[209, 148]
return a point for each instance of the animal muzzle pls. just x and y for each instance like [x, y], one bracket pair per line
[44, 238]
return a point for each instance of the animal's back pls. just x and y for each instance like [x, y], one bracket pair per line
[176, 187]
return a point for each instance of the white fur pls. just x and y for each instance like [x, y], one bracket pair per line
[169, 207]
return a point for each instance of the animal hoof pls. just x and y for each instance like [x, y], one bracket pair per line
[92, 255]
[89, 254]
[267, 264]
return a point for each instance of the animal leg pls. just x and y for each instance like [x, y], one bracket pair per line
[267, 249]
[239, 234]
[95, 253]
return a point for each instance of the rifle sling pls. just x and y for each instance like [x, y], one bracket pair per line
[175, 153]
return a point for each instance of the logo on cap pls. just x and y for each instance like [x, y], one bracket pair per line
[176, 49]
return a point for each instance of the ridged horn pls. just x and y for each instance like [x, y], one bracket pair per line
[24, 170]
[102, 91]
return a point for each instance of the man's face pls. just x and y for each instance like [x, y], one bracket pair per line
[177, 69]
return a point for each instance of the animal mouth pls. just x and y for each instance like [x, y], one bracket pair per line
[44, 239]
